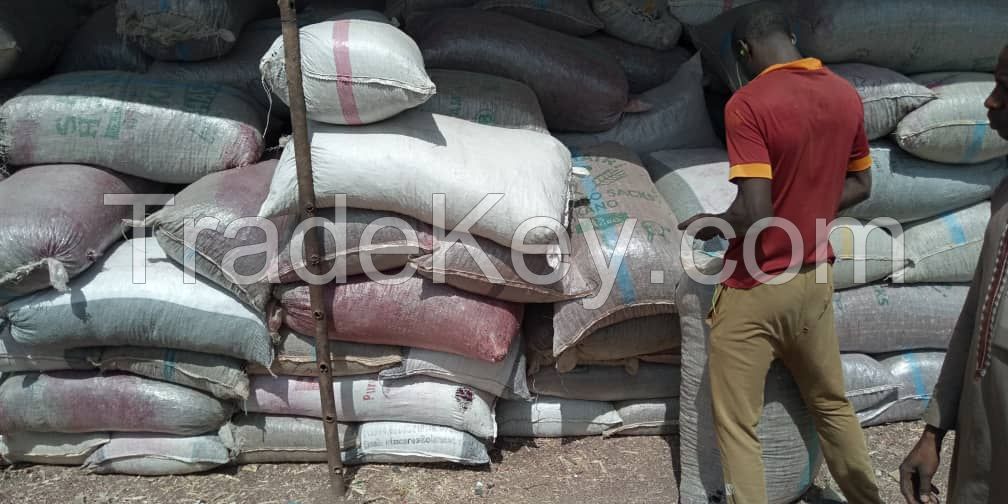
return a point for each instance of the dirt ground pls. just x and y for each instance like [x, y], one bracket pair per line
[591, 470]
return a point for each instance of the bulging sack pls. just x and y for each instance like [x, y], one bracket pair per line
[602, 383]
[547, 417]
[640, 22]
[54, 224]
[573, 17]
[675, 118]
[694, 12]
[616, 188]
[356, 71]
[160, 455]
[908, 189]
[222, 208]
[32, 36]
[887, 96]
[645, 68]
[885, 318]
[485, 99]
[295, 356]
[222, 377]
[500, 379]
[83, 401]
[49, 448]
[369, 399]
[264, 439]
[422, 154]
[105, 308]
[786, 429]
[97, 46]
[15, 357]
[918, 36]
[653, 417]
[946, 248]
[917, 373]
[579, 88]
[132, 124]
[954, 128]
[183, 30]
[868, 383]
[415, 313]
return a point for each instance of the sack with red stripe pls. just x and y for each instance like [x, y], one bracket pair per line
[356, 71]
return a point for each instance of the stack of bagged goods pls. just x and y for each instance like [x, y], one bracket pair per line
[426, 321]
[608, 363]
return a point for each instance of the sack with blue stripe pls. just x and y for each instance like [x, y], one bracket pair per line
[917, 373]
[621, 220]
[945, 249]
[954, 128]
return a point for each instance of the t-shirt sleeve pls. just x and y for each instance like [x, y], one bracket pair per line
[747, 149]
[860, 158]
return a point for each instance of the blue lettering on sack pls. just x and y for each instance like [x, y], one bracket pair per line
[957, 235]
[610, 236]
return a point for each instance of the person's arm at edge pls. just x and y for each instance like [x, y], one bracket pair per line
[857, 185]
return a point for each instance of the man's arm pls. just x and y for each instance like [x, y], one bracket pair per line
[857, 188]
[752, 203]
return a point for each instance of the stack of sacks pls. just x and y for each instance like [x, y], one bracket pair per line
[395, 280]
[621, 344]
[154, 368]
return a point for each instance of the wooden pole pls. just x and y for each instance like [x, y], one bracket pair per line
[312, 241]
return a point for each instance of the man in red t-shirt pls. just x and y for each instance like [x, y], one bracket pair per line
[798, 154]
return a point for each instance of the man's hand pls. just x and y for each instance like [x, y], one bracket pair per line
[703, 234]
[919, 468]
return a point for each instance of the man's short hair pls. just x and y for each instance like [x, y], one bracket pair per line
[765, 19]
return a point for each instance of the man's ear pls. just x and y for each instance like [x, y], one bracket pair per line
[794, 39]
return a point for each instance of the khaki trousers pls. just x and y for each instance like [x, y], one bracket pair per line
[792, 322]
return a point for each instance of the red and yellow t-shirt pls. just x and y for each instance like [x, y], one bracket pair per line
[801, 126]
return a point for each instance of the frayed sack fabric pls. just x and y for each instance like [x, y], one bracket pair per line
[640, 22]
[549, 417]
[132, 124]
[295, 356]
[887, 96]
[356, 71]
[573, 17]
[265, 439]
[106, 308]
[886, 318]
[83, 401]
[370, 399]
[422, 154]
[47, 241]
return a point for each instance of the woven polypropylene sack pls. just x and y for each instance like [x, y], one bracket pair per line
[222, 377]
[917, 373]
[887, 96]
[187, 30]
[617, 188]
[235, 248]
[369, 399]
[908, 189]
[54, 224]
[918, 35]
[355, 71]
[406, 9]
[83, 401]
[49, 448]
[295, 356]
[500, 379]
[264, 439]
[947, 248]
[160, 455]
[696, 181]
[420, 155]
[579, 88]
[106, 308]
[791, 453]
[694, 12]
[713, 39]
[645, 68]
[16, 357]
[187, 130]
[954, 128]
[416, 313]
[641, 22]
[894, 318]
[573, 17]
[652, 417]
[868, 383]
[602, 383]
[676, 118]
[97, 46]
[32, 35]
[485, 99]
[548, 417]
